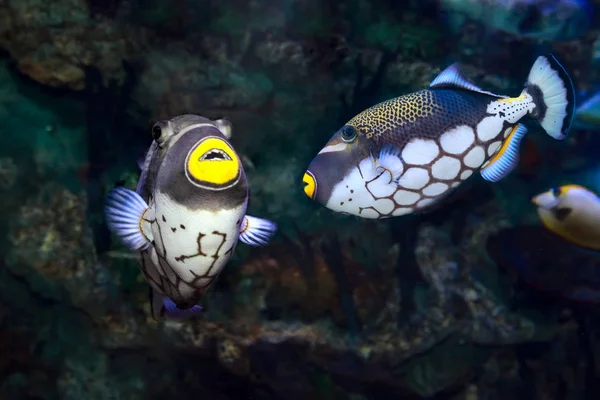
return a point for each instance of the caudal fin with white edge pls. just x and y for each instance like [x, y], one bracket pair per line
[553, 95]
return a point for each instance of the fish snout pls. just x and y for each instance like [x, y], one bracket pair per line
[545, 200]
[310, 184]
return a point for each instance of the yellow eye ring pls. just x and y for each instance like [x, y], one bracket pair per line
[213, 164]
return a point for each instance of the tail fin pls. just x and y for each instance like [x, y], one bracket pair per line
[553, 95]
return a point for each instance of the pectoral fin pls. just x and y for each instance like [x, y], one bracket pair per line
[129, 217]
[256, 231]
[389, 159]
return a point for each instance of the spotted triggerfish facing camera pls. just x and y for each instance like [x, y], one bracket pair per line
[407, 153]
[187, 213]
[573, 213]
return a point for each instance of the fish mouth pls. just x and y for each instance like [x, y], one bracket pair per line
[215, 155]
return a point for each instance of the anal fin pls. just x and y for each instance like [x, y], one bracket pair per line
[128, 217]
[506, 158]
[256, 231]
[162, 306]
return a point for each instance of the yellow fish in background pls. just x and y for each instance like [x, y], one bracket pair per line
[408, 153]
[572, 212]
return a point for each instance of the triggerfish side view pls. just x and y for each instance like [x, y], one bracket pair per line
[406, 154]
[187, 212]
[572, 212]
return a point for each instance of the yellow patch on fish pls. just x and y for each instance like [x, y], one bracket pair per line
[511, 100]
[310, 185]
[213, 161]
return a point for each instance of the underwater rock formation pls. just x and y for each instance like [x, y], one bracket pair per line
[51, 248]
[456, 315]
[53, 42]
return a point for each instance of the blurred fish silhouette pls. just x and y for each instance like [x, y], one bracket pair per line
[187, 213]
[536, 19]
[547, 262]
[408, 153]
[587, 115]
[572, 212]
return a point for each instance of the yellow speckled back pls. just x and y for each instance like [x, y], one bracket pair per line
[395, 112]
[426, 113]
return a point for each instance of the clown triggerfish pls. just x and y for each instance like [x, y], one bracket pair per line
[573, 213]
[407, 153]
[187, 213]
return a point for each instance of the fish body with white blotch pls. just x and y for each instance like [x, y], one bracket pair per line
[187, 213]
[407, 153]
[587, 115]
[533, 19]
[572, 212]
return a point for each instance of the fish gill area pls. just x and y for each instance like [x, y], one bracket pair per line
[427, 306]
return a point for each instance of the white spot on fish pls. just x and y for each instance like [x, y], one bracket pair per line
[367, 170]
[454, 184]
[151, 260]
[507, 131]
[185, 290]
[167, 271]
[202, 282]
[414, 178]
[384, 206]
[381, 187]
[401, 211]
[513, 110]
[435, 189]
[493, 147]
[445, 168]
[185, 242]
[467, 173]
[406, 198]
[475, 157]
[489, 128]
[420, 152]
[457, 140]
[353, 187]
[369, 213]
[334, 148]
[424, 202]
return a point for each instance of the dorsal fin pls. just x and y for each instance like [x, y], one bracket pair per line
[451, 77]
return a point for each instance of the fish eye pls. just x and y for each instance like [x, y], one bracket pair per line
[156, 132]
[348, 133]
[556, 192]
